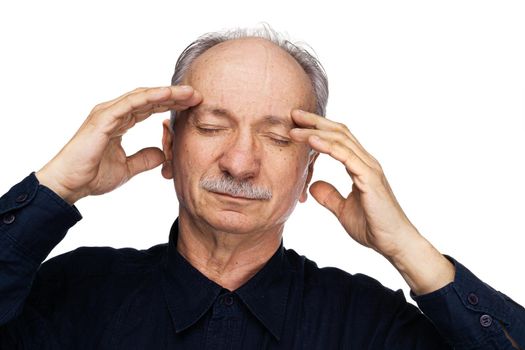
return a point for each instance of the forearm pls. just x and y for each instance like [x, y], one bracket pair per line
[422, 266]
[33, 221]
[465, 310]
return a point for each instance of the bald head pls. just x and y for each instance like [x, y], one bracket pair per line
[260, 53]
[249, 72]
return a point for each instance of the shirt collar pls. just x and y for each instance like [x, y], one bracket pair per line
[190, 294]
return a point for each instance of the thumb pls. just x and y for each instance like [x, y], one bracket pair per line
[328, 196]
[143, 160]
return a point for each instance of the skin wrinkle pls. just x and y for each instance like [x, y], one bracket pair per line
[216, 110]
[266, 70]
[269, 124]
[224, 238]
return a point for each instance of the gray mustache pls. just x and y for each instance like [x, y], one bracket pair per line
[228, 185]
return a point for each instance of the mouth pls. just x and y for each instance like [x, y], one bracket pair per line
[232, 197]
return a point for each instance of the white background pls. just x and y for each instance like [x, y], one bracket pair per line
[434, 90]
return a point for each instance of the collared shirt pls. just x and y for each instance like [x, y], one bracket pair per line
[106, 298]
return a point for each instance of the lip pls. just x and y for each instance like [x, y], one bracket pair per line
[229, 196]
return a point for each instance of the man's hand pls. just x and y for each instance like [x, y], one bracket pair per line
[371, 214]
[93, 162]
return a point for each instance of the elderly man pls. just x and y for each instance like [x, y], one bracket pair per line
[245, 132]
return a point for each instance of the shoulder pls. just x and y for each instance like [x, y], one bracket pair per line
[87, 262]
[333, 281]
[94, 275]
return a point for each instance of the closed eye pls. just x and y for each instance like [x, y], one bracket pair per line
[209, 129]
[279, 140]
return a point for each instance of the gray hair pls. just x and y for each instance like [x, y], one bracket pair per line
[307, 61]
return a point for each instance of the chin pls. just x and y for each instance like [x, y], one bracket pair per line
[232, 222]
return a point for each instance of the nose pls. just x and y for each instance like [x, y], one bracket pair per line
[241, 158]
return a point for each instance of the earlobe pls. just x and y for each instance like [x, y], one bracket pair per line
[167, 171]
[167, 148]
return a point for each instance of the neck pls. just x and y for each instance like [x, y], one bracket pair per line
[228, 259]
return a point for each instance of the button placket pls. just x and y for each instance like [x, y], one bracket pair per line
[485, 321]
[8, 218]
[473, 299]
[228, 300]
[21, 198]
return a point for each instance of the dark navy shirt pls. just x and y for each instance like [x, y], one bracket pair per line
[106, 298]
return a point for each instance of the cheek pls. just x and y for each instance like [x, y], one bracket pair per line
[191, 161]
[287, 171]
[193, 152]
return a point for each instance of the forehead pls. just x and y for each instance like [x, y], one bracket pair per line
[251, 75]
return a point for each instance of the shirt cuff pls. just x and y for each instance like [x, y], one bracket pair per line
[34, 219]
[467, 312]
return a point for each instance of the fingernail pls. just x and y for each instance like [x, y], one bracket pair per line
[316, 139]
[185, 87]
[161, 91]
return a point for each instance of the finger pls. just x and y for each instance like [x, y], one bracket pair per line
[140, 99]
[302, 135]
[353, 164]
[328, 196]
[336, 145]
[106, 104]
[175, 89]
[143, 160]
[177, 105]
[142, 89]
[174, 103]
[312, 120]
[118, 118]
[150, 109]
[194, 99]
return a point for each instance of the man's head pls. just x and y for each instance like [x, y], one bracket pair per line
[234, 166]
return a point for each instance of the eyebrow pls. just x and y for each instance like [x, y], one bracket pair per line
[223, 112]
[274, 120]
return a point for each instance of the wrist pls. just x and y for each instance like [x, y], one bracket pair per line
[51, 182]
[422, 266]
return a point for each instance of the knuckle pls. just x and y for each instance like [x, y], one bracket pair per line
[128, 100]
[99, 107]
[376, 171]
[350, 156]
[343, 127]
[346, 153]
[375, 164]
[333, 146]
[341, 138]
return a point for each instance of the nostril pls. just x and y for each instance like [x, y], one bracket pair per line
[239, 165]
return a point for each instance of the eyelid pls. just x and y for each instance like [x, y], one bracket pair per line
[278, 136]
[279, 139]
[210, 126]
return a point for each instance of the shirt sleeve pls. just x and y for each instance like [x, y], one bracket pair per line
[33, 220]
[470, 314]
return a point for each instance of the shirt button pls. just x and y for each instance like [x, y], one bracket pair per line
[228, 300]
[473, 299]
[8, 219]
[21, 198]
[485, 321]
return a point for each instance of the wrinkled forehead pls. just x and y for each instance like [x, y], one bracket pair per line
[251, 75]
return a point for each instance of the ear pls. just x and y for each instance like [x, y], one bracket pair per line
[304, 193]
[167, 148]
